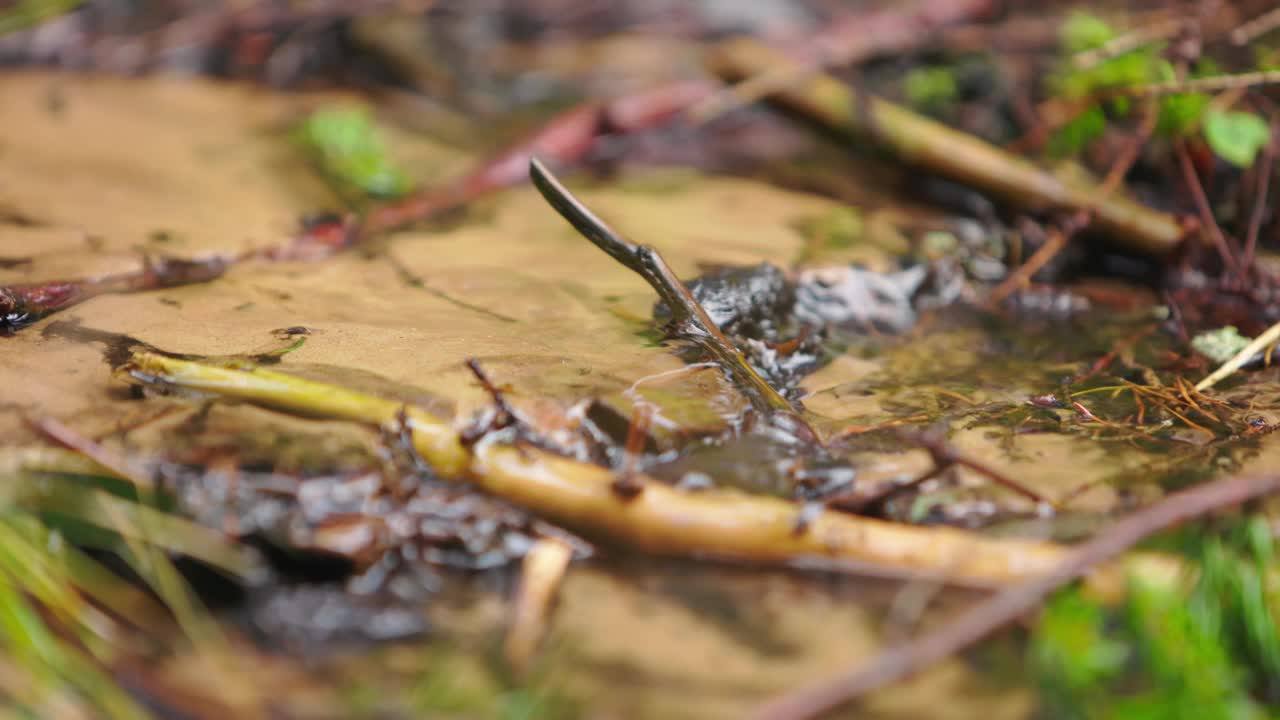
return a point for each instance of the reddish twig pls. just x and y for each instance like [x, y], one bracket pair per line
[566, 139]
[1203, 208]
[1058, 240]
[944, 456]
[628, 483]
[858, 500]
[59, 433]
[21, 305]
[502, 415]
[1059, 237]
[1008, 605]
[1103, 362]
[1260, 203]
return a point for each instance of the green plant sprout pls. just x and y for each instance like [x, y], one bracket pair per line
[1233, 135]
[345, 142]
[1208, 651]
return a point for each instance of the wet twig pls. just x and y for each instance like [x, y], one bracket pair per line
[564, 139]
[1246, 32]
[629, 484]
[1260, 203]
[21, 305]
[945, 456]
[690, 318]
[1229, 260]
[503, 416]
[59, 433]
[1008, 605]
[1060, 236]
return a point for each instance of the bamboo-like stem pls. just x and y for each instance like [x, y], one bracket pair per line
[942, 150]
[662, 519]
[437, 442]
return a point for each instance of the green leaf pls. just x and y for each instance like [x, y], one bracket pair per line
[1265, 57]
[1236, 136]
[1071, 643]
[1083, 129]
[348, 146]
[1206, 67]
[1181, 113]
[930, 87]
[29, 13]
[1085, 31]
[1139, 67]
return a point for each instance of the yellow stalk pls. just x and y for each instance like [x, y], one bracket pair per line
[661, 519]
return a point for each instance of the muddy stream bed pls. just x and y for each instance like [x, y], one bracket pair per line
[378, 590]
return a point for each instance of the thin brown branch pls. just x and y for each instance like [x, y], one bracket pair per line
[21, 305]
[1121, 44]
[1208, 222]
[1059, 237]
[1260, 201]
[566, 139]
[66, 437]
[503, 415]
[629, 484]
[944, 455]
[1008, 605]
[1246, 32]
[870, 501]
[1107, 358]
[1210, 84]
[1022, 275]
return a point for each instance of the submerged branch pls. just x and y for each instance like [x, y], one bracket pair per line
[947, 152]
[662, 519]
